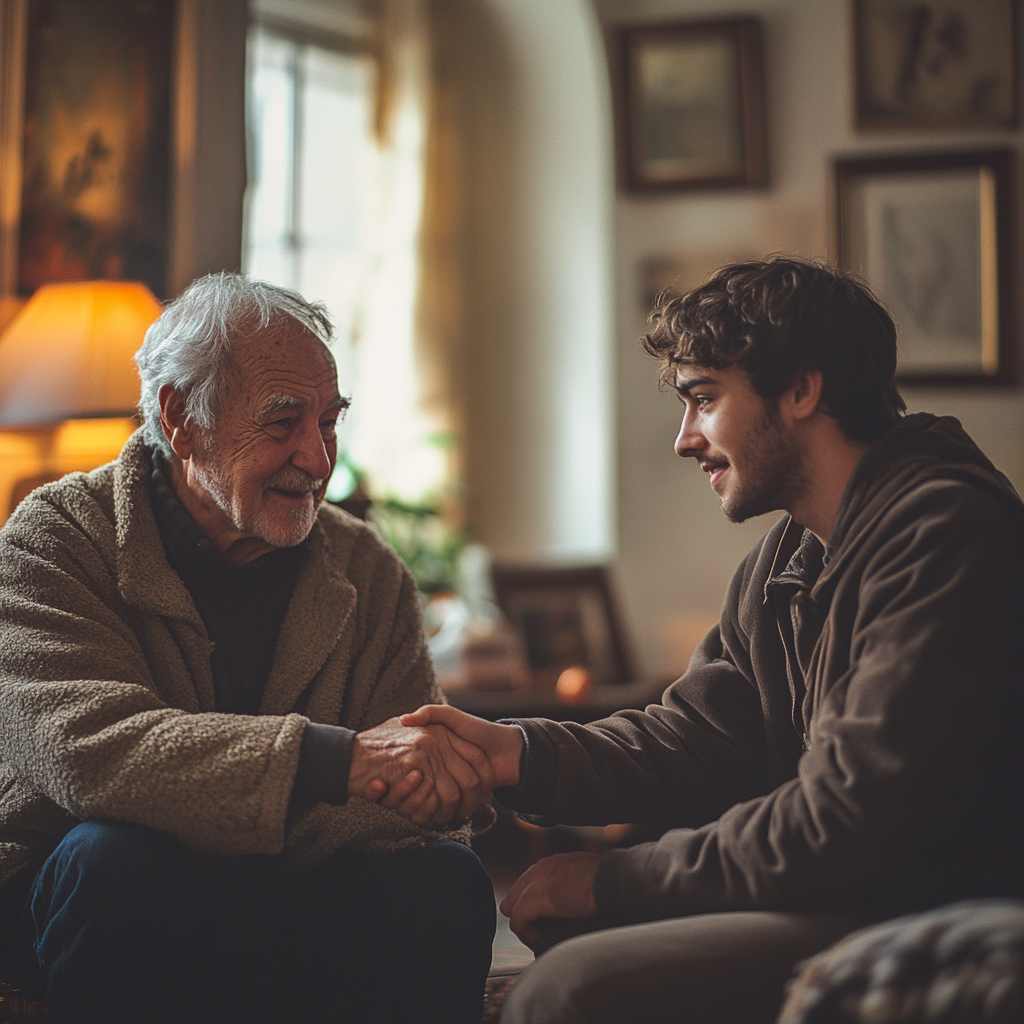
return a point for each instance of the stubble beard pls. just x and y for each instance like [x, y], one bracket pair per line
[772, 465]
[280, 528]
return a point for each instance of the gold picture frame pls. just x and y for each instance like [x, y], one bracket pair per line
[932, 234]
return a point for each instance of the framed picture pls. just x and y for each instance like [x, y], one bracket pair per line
[932, 236]
[567, 620]
[691, 105]
[935, 63]
[95, 179]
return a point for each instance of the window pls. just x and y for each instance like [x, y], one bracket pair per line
[334, 210]
[311, 170]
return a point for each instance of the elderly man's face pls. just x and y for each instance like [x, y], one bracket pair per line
[266, 461]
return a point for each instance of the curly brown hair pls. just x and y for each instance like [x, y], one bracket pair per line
[779, 317]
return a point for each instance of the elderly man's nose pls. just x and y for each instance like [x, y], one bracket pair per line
[312, 456]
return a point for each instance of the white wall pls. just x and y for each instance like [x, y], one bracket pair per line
[676, 551]
[539, 194]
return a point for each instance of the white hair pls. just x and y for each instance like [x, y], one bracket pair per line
[190, 346]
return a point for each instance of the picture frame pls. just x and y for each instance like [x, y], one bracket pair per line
[567, 618]
[935, 64]
[691, 107]
[95, 181]
[933, 236]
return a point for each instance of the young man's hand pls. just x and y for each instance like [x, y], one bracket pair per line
[433, 773]
[414, 796]
[503, 744]
[559, 887]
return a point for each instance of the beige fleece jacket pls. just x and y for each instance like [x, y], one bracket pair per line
[106, 689]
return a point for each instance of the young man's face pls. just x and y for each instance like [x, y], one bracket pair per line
[266, 462]
[753, 462]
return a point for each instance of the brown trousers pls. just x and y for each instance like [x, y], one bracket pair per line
[709, 969]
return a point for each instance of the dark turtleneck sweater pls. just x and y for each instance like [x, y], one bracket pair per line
[243, 608]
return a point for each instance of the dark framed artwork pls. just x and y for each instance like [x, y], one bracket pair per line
[691, 105]
[567, 618]
[936, 63]
[95, 181]
[932, 234]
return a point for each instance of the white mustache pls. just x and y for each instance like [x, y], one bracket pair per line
[293, 480]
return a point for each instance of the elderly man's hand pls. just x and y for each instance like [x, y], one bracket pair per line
[439, 775]
[502, 745]
[557, 887]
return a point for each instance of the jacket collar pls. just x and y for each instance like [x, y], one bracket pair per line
[320, 610]
[145, 578]
[797, 561]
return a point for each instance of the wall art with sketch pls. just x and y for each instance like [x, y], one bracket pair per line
[935, 64]
[933, 236]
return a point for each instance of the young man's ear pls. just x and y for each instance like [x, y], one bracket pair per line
[804, 395]
[174, 422]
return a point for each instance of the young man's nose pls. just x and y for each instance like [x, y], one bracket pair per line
[689, 441]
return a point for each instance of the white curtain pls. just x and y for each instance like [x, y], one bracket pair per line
[396, 432]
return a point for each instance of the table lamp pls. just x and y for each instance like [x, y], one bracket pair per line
[68, 353]
[68, 381]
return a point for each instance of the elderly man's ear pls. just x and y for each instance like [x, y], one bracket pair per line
[174, 421]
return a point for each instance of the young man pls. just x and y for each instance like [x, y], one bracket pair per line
[200, 663]
[845, 744]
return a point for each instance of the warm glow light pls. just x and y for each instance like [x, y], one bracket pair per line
[574, 685]
[68, 354]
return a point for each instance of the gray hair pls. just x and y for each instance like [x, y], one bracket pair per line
[190, 346]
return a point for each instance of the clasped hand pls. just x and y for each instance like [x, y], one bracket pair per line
[439, 761]
[435, 764]
[424, 772]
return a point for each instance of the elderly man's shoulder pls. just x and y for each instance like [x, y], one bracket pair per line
[76, 504]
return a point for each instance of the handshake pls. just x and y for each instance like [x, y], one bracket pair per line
[437, 764]
[434, 764]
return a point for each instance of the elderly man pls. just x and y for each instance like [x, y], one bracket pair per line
[200, 665]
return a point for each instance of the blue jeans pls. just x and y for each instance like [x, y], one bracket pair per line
[132, 926]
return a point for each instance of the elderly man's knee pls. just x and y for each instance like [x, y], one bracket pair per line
[97, 857]
[461, 897]
[116, 848]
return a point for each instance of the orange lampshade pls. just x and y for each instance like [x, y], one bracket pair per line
[68, 353]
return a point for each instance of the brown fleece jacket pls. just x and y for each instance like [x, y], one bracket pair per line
[849, 736]
[106, 690]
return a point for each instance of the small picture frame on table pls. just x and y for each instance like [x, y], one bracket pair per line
[935, 64]
[567, 620]
[932, 235]
[691, 105]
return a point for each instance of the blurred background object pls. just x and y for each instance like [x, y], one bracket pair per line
[960, 964]
[68, 354]
[68, 383]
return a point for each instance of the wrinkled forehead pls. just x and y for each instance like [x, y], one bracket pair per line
[286, 346]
